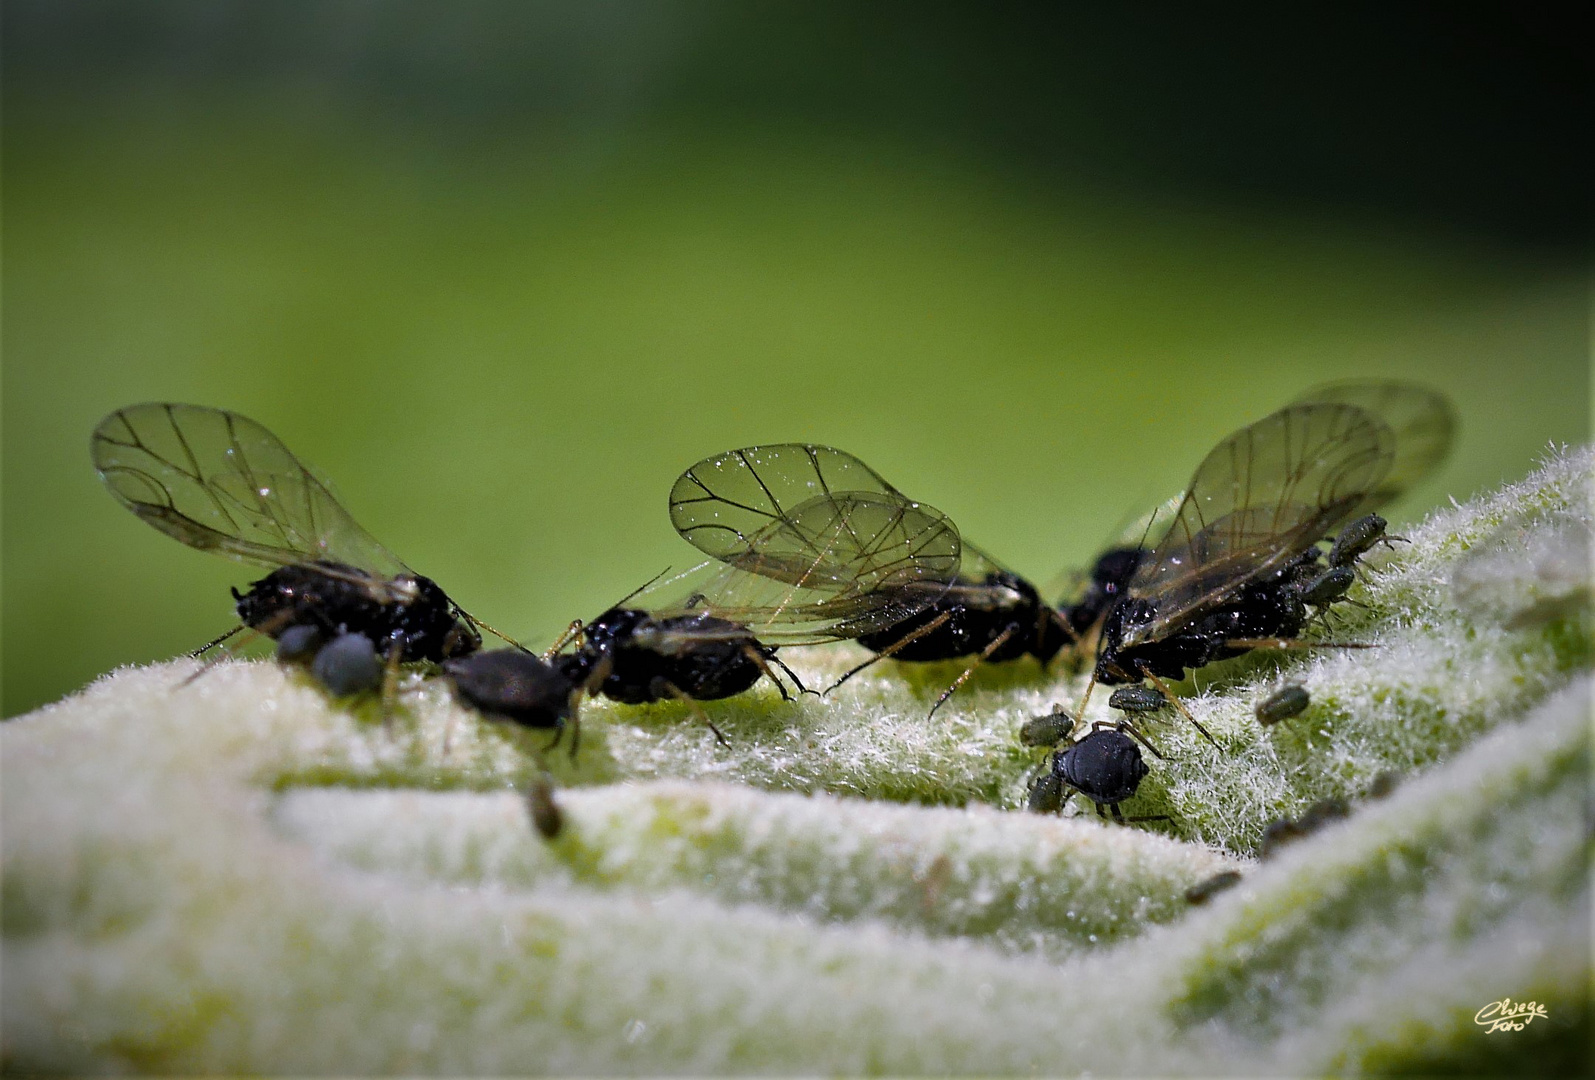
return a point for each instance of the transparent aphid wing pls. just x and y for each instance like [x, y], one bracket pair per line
[837, 566]
[220, 482]
[720, 503]
[1423, 421]
[1260, 498]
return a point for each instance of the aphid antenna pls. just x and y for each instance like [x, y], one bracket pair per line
[1062, 623]
[1163, 687]
[644, 587]
[210, 663]
[501, 635]
[901, 643]
[996, 643]
[1125, 727]
[209, 645]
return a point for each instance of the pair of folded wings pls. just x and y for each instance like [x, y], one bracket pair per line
[810, 543]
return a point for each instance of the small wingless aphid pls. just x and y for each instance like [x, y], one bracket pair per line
[1205, 890]
[509, 684]
[1048, 730]
[1239, 563]
[334, 598]
[1282, 704]
[982, 610]
[1105, 766]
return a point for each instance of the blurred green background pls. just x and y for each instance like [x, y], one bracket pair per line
[502, 271]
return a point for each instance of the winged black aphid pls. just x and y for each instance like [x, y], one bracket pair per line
[982, 609]
[221, 482]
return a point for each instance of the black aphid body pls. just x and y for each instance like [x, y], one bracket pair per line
[1267, 608]
[1113, 570]
[1105, 766]
[220, 482]
[1231, 568]
[655, 659]
[1002, 602]
[409, 611]
[513, 685]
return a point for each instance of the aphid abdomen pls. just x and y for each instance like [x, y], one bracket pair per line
[1105, 766]
[969, 629]
[303, 594]
[1048, 730]
[514, 685]
[1328, 587]
[951, 639]
[340, 599]
[694, 656]
[714, 671]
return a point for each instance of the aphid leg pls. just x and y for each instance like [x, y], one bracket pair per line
[1089, 686]
[1050, 613]
[559, 731]
[209, 645]
[671, 690]
[758, 658]
[573, 631]
[996, 643]
[1131, 730]
[575, 723]
[390, 681]
[907, 639]
[1163, 687]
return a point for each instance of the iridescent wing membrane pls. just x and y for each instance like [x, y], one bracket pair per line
[1260, 498]
[815, 545]
[220, 482]
[1422, 421]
